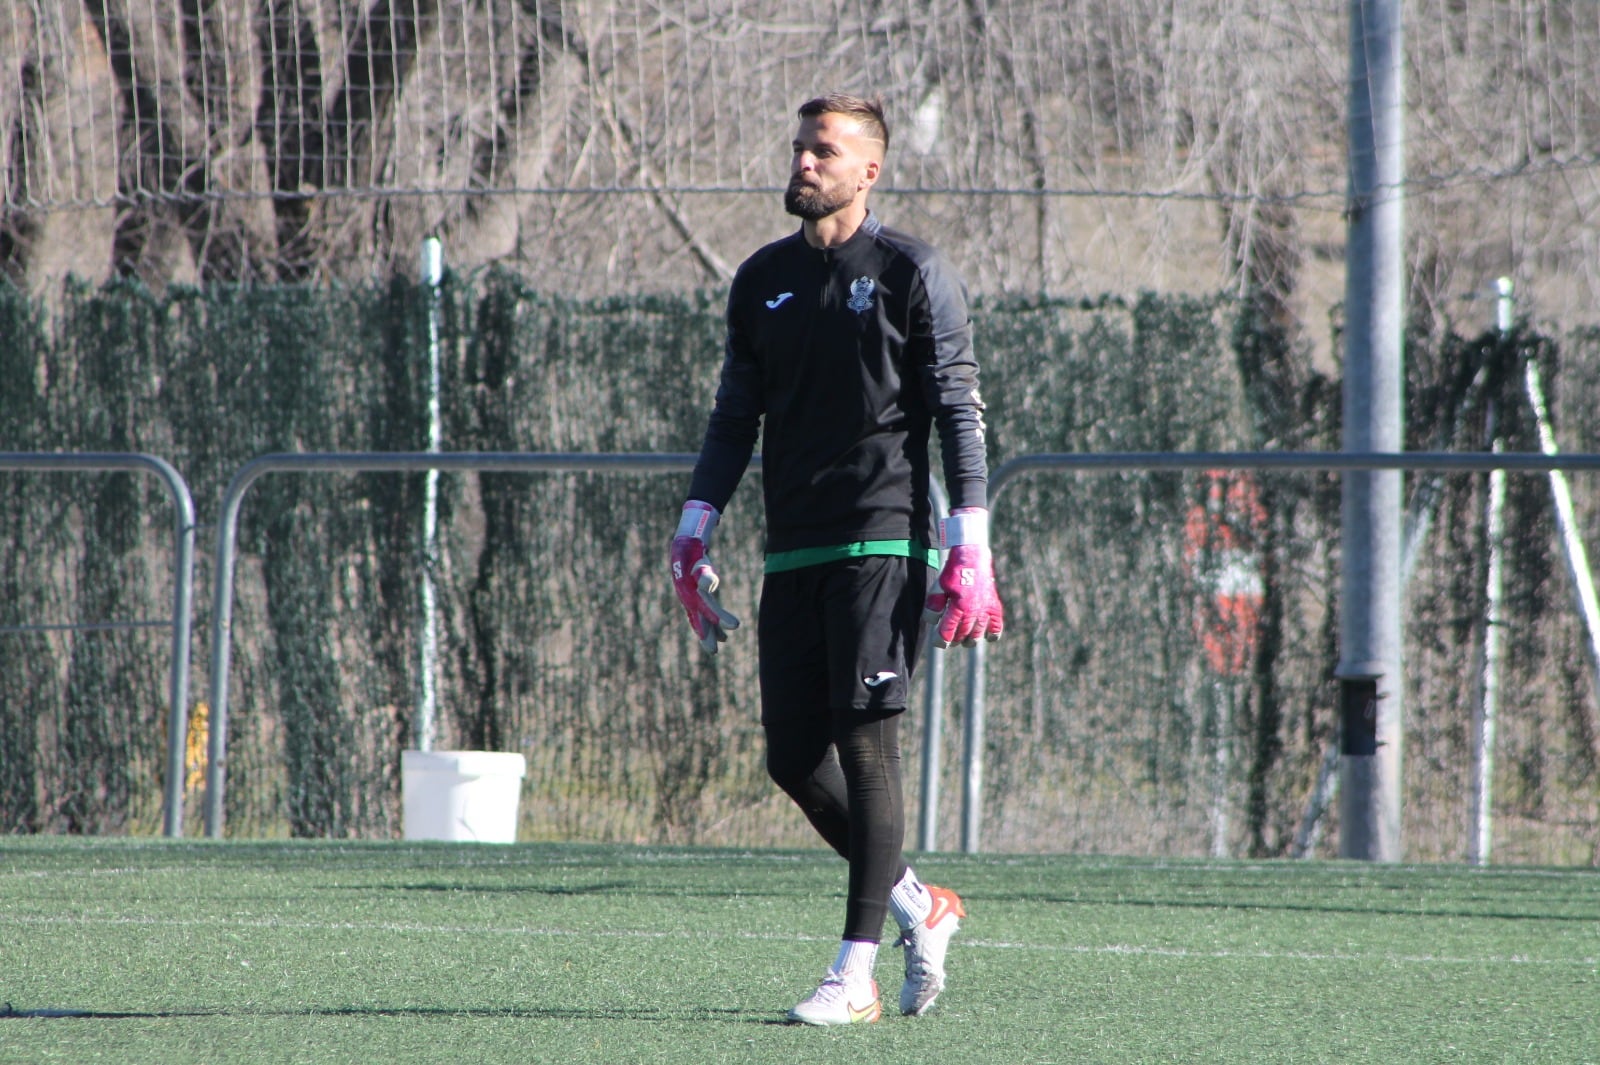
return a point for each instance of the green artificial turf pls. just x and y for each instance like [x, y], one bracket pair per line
[191, 951]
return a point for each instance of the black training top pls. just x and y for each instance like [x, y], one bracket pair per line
[849, 354]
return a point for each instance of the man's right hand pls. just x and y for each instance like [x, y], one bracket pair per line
[695, 580]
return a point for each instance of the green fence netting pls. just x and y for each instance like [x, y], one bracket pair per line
[1164, 687]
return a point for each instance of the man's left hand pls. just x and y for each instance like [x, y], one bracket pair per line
[967, 606]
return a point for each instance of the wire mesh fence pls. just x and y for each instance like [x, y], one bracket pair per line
[617, 147]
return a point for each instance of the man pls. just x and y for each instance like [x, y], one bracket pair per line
[850, 341]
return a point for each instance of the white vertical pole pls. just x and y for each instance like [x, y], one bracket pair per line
[1487, 710]
[1486, 714]
[428, 651]
[1504, 305]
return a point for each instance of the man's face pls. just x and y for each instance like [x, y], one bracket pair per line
[832, 164]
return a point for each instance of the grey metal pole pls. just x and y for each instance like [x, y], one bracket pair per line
[932, 715]
[932, 744]
[182, 628]
[972, 750]
[1371, 680]
[222, 646]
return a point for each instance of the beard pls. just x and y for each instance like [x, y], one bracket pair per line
[811, 202]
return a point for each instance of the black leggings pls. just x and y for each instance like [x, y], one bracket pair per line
[847, 783]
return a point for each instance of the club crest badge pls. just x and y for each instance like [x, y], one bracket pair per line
[861, 294]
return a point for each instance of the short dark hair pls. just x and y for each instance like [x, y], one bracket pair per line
[868, 112]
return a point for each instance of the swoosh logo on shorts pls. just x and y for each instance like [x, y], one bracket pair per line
[778, 300]
[879, 679]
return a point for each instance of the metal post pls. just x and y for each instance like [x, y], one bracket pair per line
[1370, 636]
[182, 628]
[932, 742]
[426, 727]
[932, 715]
[1488, 704]
[972, 751]
[1480, 842]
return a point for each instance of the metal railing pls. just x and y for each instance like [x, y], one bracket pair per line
[181, 621]
[361, 462]
[1166, 461]
[475, 462]
[509, 462]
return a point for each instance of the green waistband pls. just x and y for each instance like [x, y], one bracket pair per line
[783, 561]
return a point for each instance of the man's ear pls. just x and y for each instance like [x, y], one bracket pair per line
[870, 177]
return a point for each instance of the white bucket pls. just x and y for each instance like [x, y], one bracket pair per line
[461, 795]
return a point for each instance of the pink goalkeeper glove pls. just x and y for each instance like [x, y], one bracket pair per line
[694, 579]
[967, 606]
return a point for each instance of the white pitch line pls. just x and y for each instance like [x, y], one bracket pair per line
[1139, 950]
[1117, 949]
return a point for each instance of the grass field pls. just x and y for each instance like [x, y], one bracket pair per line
[159, 951]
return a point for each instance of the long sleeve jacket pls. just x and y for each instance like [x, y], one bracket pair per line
[841, 359]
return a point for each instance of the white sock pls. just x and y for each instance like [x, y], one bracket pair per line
[856, 959]
[909, 901]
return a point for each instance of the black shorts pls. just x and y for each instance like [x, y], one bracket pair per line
[840, 635]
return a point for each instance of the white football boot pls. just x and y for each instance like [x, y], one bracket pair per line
[925, 947]
[838, 1000]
